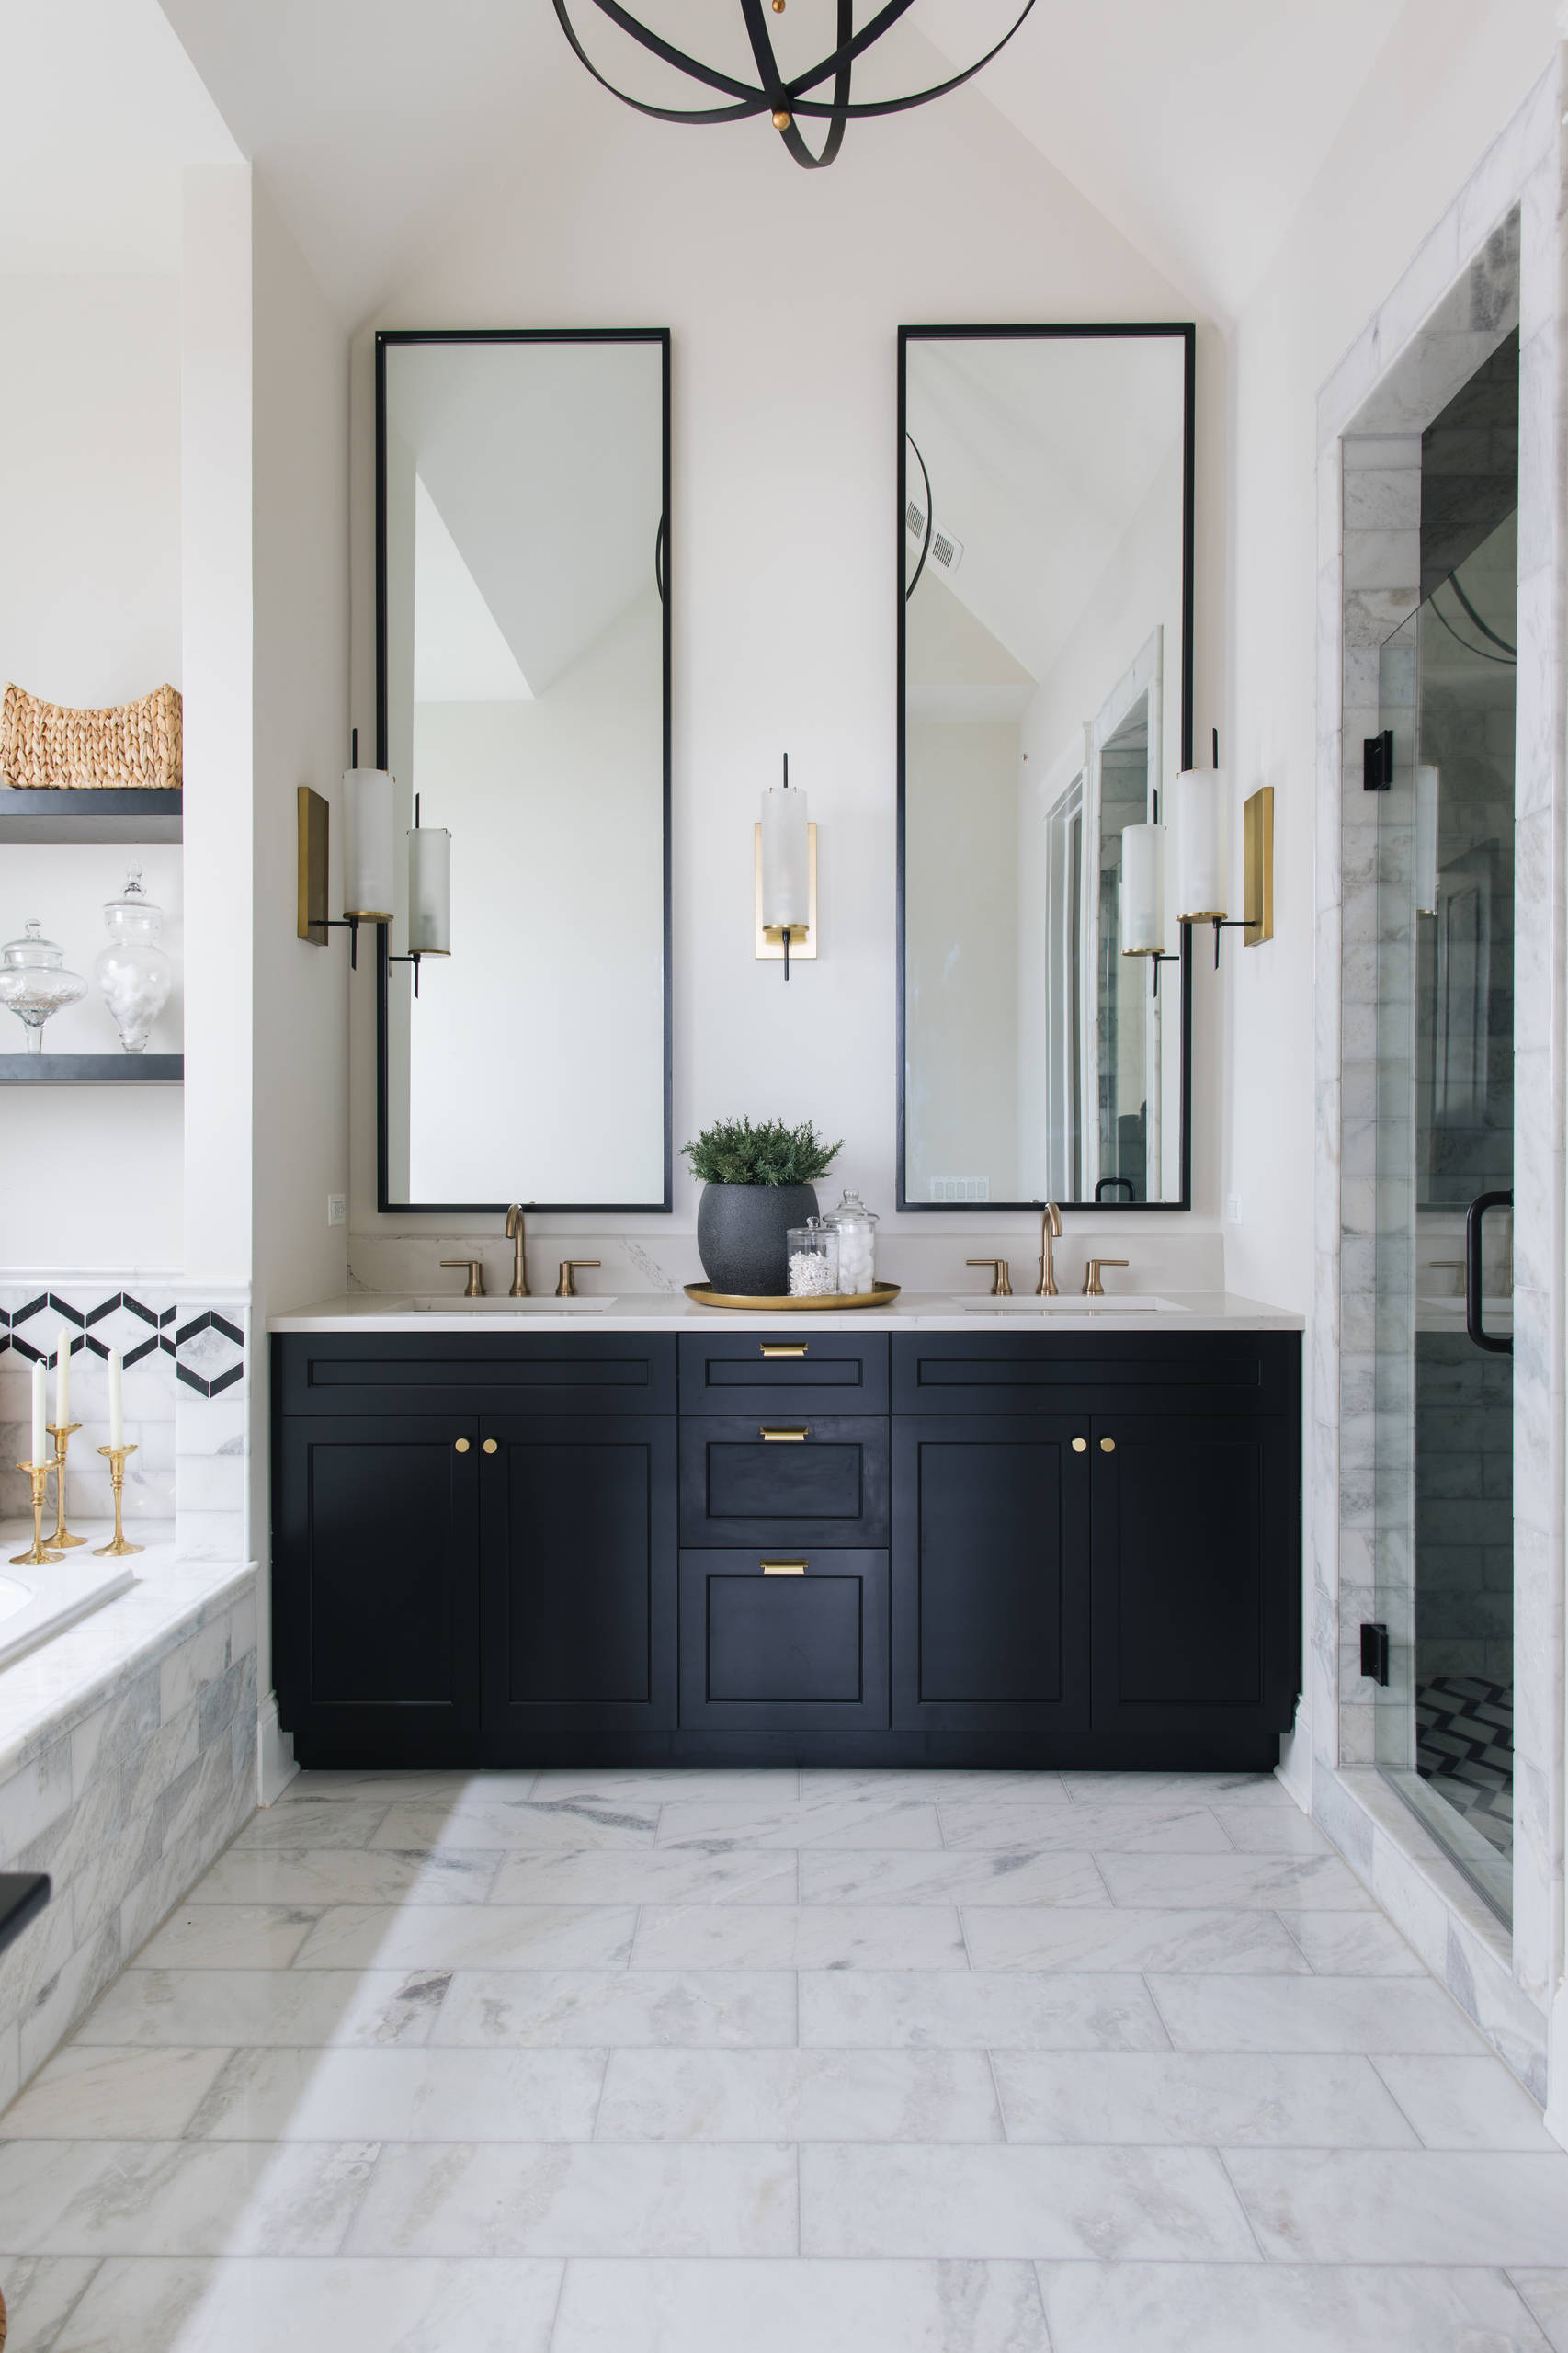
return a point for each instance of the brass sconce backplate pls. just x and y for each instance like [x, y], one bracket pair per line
[312, 922]
[1257, 813]
[801, 942]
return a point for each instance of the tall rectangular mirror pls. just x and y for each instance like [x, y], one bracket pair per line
[524, 678]
[1045, 664]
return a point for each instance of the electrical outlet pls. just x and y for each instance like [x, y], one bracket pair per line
[337, 1208]
[1233, 1209]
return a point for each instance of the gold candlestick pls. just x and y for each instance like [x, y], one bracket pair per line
[117, 1455]
[60, 1433]
[38, 1473]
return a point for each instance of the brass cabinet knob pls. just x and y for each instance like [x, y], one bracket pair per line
[490, 1445]
[462, 1446]
[1080, 1446]
[1108, 1446]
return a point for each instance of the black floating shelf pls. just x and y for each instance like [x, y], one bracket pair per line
[91, 1069]
[116, 813]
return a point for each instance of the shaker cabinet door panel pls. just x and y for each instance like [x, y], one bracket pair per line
[991, 1607]
[375, 1583]
[784, 1478]
[773, 1645]
[578, 1540]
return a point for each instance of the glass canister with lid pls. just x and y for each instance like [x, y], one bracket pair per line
[34, 982]
[856, 1227]
[813, 1260]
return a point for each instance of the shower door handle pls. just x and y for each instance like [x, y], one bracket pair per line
[1474, 1296]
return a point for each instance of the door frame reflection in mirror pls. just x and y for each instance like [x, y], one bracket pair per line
[387, 337]
[1070, 764]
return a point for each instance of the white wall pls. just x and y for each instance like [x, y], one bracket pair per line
[89, 615]
[784, 290]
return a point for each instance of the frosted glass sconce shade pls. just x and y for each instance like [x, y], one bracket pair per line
[368, 845]
[430, 890]
[1143, 890]
[1427, 785]
[786, 878]
[1200, 846]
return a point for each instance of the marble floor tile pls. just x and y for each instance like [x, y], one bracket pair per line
[1405, 2206]
[475, 1936]
[601, 2198]
[314, 2006]
[667, 1784]
[1271, 1830]
[1345, 2014]
[917, 1875]
[569, 1822]
[594, 2009]
[932, 1786]
[1271, 1883]
[1230, 2099]
[1130, 2204]
[1281, 2308]
[323, 1875]
[229, 1936]
[1187, 1788]
[402, 2095]
[319, 1822]
[920, 2307]
[818, 1822]
[1088, 1828]
[948, 2011]
[819, 1936]
[1352, 1944]
[917, 2096]
[1546, 2293]
[88, 2092]
[1246, 1942]
[181, 2197]
[1467, 2104]
[42, 2292]
[325, 2304]
[648, 1875]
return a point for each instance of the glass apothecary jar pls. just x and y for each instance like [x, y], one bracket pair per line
[133, 974]
[813, 1260]
[856, 1227]
[34, 982]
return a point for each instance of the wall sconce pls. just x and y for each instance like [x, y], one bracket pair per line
[1200, 828]
[1428, 783]
[429, 893]
[785, 859]
[369, 865]
[1141, 898]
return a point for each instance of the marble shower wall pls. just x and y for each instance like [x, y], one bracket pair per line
[185, 1395]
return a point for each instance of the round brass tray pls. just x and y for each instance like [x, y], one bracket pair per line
[878, 1296]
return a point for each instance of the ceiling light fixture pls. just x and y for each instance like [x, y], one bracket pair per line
[782, 98]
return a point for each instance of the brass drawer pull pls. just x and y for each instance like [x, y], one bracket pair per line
[785, 1438]
[1080, 1446]
[490, 1445]
[462, 1446]
[783, 1568]
[784, 1348]
[1108, 1446]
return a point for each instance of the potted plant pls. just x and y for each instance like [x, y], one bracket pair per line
[758, 1182]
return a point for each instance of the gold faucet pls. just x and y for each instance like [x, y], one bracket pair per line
[1049, 1232]
[517, 1237]
[1001, 1280]
[1093, 1287]
[475, 1287]
[566, 1286]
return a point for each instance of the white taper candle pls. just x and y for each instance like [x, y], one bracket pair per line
[36, 1453]
[116, 1409]
[62, 1379]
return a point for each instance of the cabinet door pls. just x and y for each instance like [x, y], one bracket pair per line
[990, 1574]
[1196, 1569]
[578, 1544]
[375, 1585]
[771, 1645]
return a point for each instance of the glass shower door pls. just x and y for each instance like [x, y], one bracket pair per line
[1444, 1274]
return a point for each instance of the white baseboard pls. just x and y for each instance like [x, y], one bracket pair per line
[1557, 2067]
[274, 1754]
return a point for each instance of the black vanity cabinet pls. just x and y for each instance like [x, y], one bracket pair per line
[924, 1548]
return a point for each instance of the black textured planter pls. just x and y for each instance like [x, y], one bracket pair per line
[741, 1231]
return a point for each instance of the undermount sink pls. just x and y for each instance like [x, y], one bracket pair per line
[445, 1304]
[1126, 1303]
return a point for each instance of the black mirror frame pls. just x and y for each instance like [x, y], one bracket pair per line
[385, 337]
[1188, 333]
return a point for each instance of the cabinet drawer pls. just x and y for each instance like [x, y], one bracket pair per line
[822, 1479]
[804, 1371]
[1056, 1372]
[495, 1372]
[771, 1642]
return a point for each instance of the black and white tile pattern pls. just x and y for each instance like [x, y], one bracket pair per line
[1465, 1749]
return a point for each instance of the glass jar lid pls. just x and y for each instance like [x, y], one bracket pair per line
[33, 952]
[134, 910]
[852, 1211]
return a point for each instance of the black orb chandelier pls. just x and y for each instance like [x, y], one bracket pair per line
[782, 98]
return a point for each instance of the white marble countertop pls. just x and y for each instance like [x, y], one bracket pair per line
[77, 1669]
[671, 1310]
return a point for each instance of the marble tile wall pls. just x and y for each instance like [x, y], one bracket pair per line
[1494, 260]
[124, 1800]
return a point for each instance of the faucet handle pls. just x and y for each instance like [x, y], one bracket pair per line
[566, 1286]
[1093, 1287]
[475, 1287]
[1001, 1280]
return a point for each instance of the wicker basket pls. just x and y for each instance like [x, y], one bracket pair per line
[42, 744]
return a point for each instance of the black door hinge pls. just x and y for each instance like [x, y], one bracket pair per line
[1377, 761]
[1375, 1652]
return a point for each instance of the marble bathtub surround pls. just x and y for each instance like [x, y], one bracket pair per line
[668, 2062]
